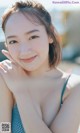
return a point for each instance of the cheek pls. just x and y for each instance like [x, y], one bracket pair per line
[13, 51]
[41, 46]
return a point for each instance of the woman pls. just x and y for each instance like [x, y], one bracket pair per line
[40, 97]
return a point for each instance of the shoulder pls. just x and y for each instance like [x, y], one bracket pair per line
[70, 109]
[74, 81]
[72, 86]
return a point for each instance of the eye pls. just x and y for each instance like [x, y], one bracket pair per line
[12, 42]
[33, 37]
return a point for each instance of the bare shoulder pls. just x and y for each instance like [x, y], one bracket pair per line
[74, 81]
[73, 85]
[70, 109]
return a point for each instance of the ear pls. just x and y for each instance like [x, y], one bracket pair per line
[6, 53]
[50, 40]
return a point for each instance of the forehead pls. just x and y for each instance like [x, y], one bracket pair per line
[19, 22]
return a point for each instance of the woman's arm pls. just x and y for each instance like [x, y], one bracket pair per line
[6, 102]
[68, 118]
[30, 118]
[31, 121]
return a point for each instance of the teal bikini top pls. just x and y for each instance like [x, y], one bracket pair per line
[16, 125]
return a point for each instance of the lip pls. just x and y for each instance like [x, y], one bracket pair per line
[29, 59]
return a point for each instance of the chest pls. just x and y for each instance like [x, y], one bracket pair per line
[46, 97]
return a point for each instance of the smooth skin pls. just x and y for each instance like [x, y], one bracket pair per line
[42, 87]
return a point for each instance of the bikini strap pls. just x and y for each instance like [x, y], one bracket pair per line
[63, 90]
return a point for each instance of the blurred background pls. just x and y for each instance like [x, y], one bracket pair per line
[66, 19]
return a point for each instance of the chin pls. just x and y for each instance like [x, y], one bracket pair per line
[30, 69]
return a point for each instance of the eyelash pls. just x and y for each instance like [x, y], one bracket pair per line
[14, 41]
[33, 37]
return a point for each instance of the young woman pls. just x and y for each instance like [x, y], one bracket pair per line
[37, 96]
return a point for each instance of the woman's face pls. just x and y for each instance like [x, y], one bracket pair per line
[27, 43]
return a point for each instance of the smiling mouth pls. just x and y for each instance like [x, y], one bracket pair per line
[29, 59]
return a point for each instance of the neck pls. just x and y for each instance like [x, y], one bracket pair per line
[37, 73]
[54, 73]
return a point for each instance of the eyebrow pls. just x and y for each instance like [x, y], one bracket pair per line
[29, 32]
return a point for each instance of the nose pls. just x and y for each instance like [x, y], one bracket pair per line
[24, 50]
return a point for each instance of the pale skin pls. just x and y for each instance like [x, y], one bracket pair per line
[42, 87]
